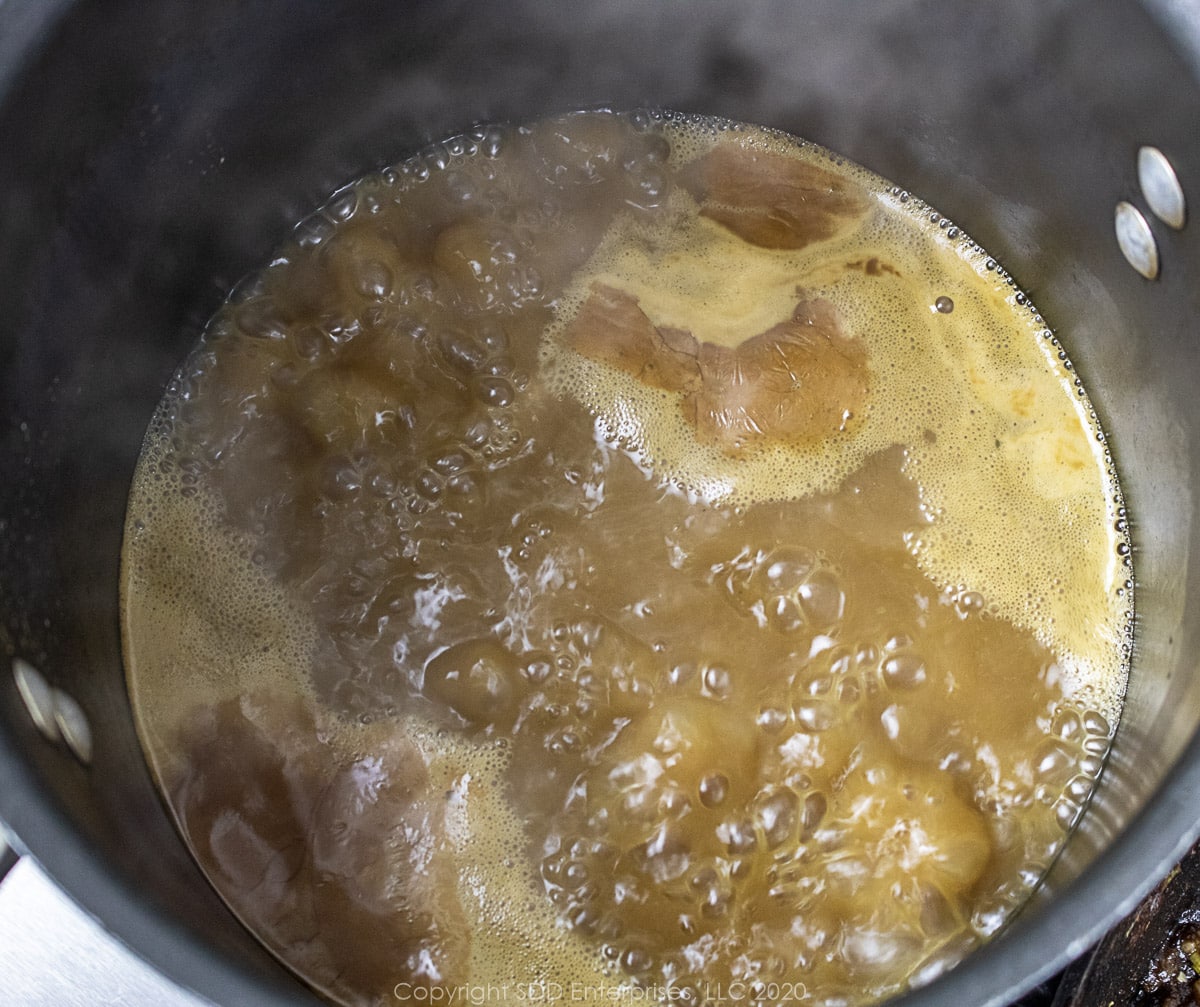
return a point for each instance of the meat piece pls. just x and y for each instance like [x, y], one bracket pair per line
[797, 383]
[771, 200]
[342, 864]
[612, 329]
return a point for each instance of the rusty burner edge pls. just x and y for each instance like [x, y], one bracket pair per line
[1150, 959]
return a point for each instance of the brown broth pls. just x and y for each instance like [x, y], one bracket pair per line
[629, 555]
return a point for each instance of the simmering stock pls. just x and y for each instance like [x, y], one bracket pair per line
[636, 557]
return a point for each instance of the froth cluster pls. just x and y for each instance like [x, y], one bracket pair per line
[200, 616]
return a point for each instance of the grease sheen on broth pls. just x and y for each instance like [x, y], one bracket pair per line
[636, 551]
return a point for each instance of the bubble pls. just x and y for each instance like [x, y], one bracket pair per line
[815, 715]
[375, 280]
[491, 141]
[681, 673]
[665, 856]
[1053, 763]
[477, 679]
[771, 719]
[649, 184]
[822, 599]
[943, 305]
[450, 462]
[717, 682]
[713, 790]
[970, 603]
[429, 484]
[738, 836]
[462, 351]
[904, 671]
[777, 810]
[477, 433]
[787, 568]
[642, 120]
[309, 343]
[495, 391]
[1067, 724]
[786, 614]
[812, 812]
[313, 230]
[636, 961]
[260, 319]
[1066, 812]
[1079, 788]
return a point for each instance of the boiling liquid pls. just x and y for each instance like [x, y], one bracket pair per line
[631, 556]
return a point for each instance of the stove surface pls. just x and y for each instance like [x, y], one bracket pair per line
[52, 954]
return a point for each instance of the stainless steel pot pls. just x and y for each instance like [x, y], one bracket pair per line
[152, 154]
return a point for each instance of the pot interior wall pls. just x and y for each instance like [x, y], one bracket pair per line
[155, 154]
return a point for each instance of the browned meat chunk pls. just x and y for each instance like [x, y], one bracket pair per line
[797, 383]
[771, 200]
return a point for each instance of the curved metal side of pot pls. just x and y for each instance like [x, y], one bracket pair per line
[153, 154]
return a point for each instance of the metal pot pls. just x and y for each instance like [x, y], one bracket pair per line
[152, 154]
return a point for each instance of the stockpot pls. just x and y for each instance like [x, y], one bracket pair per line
[153, 153]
